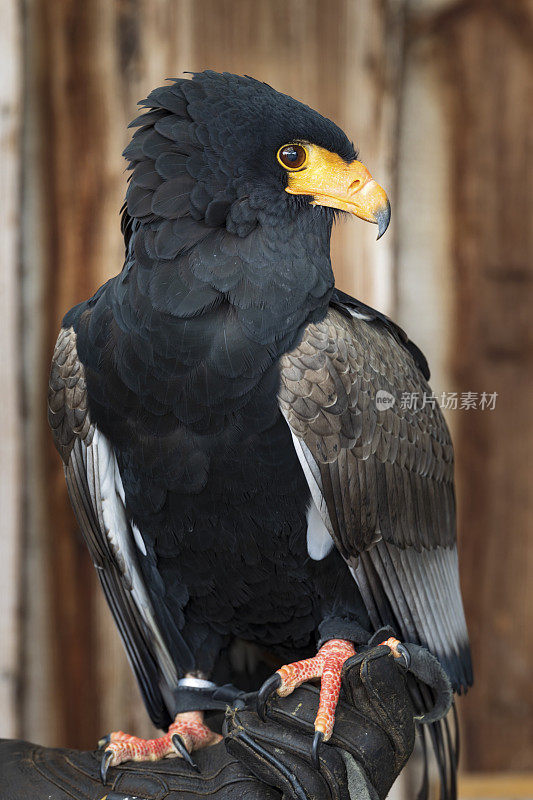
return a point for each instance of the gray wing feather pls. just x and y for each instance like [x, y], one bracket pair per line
[381, 479]
[97, 496]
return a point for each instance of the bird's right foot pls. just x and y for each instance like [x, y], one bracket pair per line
[186, 734]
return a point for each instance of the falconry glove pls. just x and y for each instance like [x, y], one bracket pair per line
[41, 773]
[374, 730]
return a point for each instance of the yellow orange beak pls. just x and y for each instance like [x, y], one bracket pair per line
[347, 186]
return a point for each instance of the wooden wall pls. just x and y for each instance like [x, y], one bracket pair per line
[10, 419]
[465, 279]
[492, 348]
[434, 93]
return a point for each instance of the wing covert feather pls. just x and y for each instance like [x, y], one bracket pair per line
[382, 478]
[399, 461]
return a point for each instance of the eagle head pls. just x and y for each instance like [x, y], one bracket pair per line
[232, 151]
[236, 185]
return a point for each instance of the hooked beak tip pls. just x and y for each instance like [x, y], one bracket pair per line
[383, 219]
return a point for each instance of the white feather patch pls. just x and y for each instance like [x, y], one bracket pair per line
[319, 541]
[139, 541]
[358, 314]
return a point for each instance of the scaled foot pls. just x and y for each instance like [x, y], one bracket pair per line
[326, 665]
[186, 734]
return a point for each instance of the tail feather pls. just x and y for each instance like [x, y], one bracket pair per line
[444, 746]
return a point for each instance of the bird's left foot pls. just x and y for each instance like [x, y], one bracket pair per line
[326, 665]
[187, 733]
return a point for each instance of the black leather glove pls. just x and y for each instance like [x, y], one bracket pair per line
[372, 739]
[42, 773]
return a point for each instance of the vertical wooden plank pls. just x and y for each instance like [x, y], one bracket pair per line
[39, 715]
[487, 50]
[466, 140]
[10, 419]
[372, 42]
[424, 287]
[70, 124]
[423, 210]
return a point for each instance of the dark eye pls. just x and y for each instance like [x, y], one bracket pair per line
[292, 156]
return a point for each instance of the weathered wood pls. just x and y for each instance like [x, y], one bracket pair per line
[488, 54]
[423, 211]
[10, 419]
[372, 76]
[496, 786]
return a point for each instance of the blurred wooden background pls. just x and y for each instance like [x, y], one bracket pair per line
[437, 96]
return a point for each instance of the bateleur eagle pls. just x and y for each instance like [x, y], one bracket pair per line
[214, 405]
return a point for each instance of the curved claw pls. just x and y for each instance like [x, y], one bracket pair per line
[179, 747]
[406, 655]
[104, 741]
[318, 738]
[107, 758]
[267, 689]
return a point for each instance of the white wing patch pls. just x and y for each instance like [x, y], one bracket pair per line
[319, 538]
[107, 494]
[358, 314]
[319, 541]
[139, 541]
[312, 475]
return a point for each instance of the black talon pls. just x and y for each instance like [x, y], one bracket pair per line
[267, 689]
[405, 653]
[318, 738]
[104, 764]
[104, 741]
[179, 747]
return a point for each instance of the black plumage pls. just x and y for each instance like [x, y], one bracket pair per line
[208, 392]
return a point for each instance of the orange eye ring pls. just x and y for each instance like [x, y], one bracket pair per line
[292, 157]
